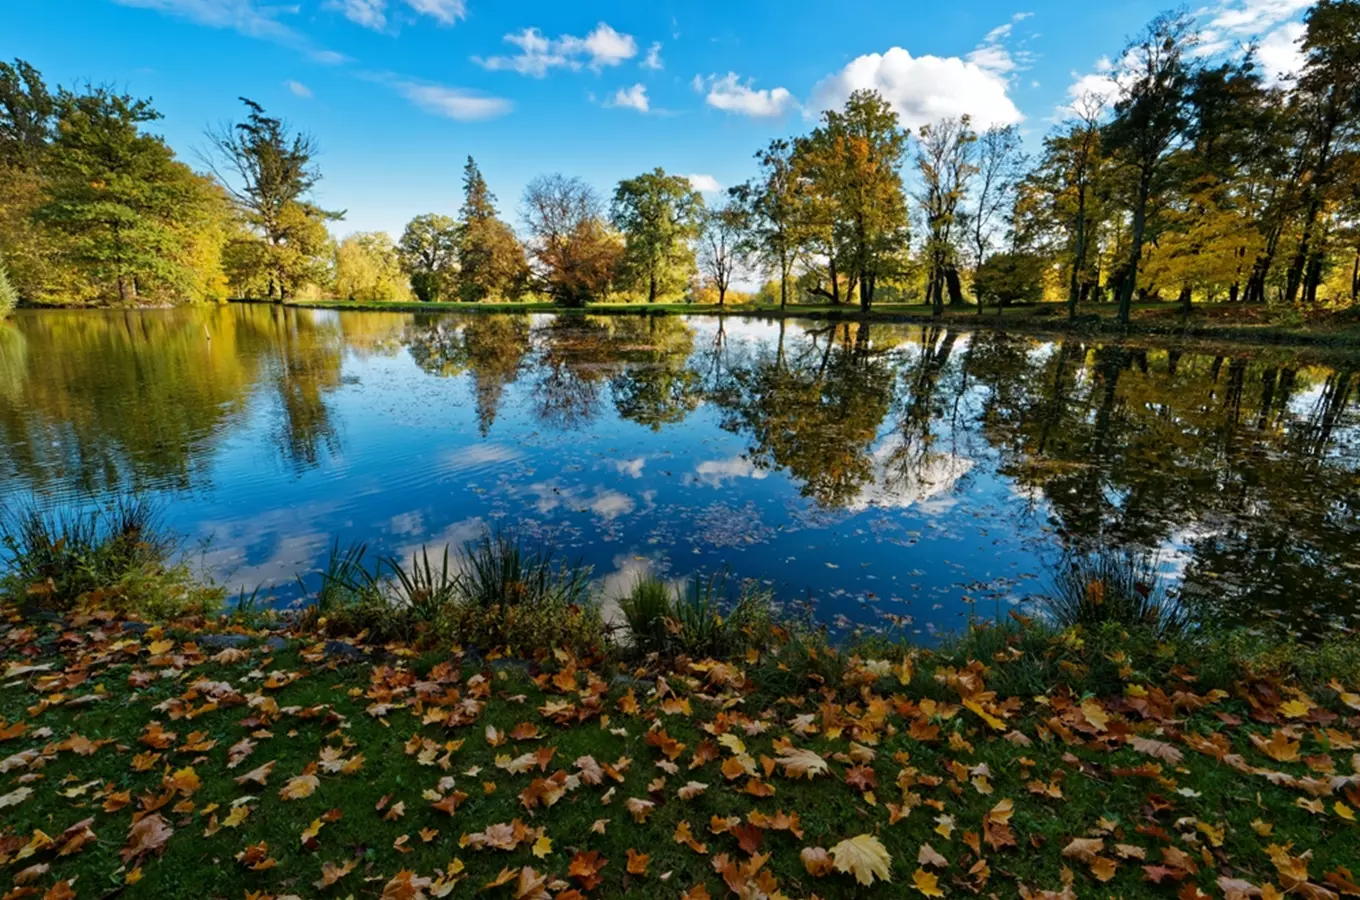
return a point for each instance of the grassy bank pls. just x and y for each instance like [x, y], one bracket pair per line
[1229, 322]
[707, 750]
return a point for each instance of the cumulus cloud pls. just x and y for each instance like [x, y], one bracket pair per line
[996, 55]
[704, 184]
[924, 89]
[730, 94]
[452, 103]
[634, 97]
[653, 58]
[538, 53]
[298, 89]
[1272, 25]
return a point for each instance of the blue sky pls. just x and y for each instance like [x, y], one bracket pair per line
[400, 92]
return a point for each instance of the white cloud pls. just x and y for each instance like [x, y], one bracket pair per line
[1279, 51]
[452, 103]
[704, 184]
[630, 467]
[730, 95]
[298, 89]
[600, 49]
[365, 13]
[634, 97]
[375, 14]
[924, 89]
[713, 472]
[994, 55]
[653, 58]
[445, 12]
[243, 16]
[1245, 18]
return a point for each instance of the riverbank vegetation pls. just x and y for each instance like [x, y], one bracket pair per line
[1189, 178]
[704, 753]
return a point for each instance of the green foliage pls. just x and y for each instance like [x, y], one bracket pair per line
[1006, 278]
[428, 252]
[367, 267]
[659, 215]
[273, 174]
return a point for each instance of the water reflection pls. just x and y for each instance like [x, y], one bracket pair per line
[893, 473]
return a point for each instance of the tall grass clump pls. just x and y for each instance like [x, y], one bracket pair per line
[494, 593]
[699, 620]
[1114, 588]
[119, 555]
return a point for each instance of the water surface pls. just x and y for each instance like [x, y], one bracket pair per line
[889, 475]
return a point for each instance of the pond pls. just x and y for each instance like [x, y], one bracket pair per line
[898, 476]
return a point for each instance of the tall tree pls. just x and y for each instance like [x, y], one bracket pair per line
[273, 172]
[428, 251]
[27, 113]
[659, 215]
[770, 205]
[1327, 101]
[27, 116]
[1152, 116]
[723, 229]
[856, 156]
[118, 194]
[576, 256]
[945, 161]
[1000, 164]
[491, 259]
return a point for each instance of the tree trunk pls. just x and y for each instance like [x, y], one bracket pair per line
[951, 280]
[651, 290]
[1299, 265]
[1355, 279]
[1136, 252]
[1185, 300]
[1078, 258]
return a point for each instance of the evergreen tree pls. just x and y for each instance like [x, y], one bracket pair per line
[491, 260]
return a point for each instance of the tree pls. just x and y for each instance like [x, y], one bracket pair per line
[1151, 119]
[27, 112]
[575, 253]
[1326, 100]
[1000, 163]
[367, 268]
[491, 259]
[770, 207]
[275, 172]
[118, 195]
[856, 158]
[724, 229]
[944, 159]
[659, 215]
[428, 251]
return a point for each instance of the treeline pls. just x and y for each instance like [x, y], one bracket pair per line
[1192, 176]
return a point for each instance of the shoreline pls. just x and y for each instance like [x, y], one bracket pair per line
[1029, 319]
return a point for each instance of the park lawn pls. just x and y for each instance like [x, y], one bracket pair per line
[125, 754]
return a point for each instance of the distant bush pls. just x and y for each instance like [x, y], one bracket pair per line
[1120, 588]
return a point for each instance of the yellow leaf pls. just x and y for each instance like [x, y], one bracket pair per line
[927, 883]
[863, 856]
[1103, 869]
[542, 847]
